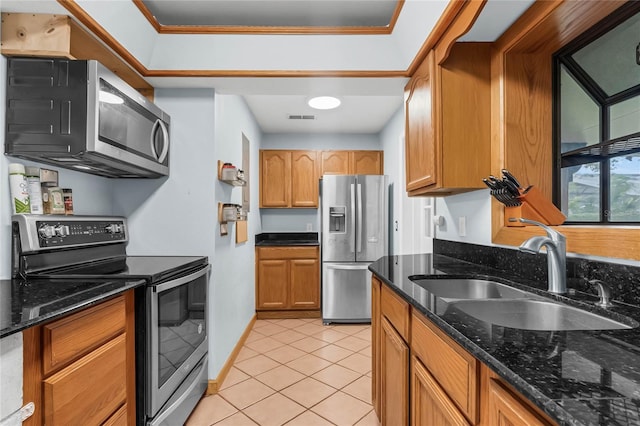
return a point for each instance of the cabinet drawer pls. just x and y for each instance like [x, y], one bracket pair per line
[297, 252]
[91, 389]
[396, 310]
[430, 405]
[455, 370]
[119, 418]
[73, 336]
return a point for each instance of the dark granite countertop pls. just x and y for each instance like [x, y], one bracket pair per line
[32, 302]
[576, 377]
[287, 239]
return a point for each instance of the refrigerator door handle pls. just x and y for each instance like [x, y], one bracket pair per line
[353, 216]
[359, 221]
[349, 267]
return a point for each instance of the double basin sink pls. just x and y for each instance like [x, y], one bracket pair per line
[506, 306]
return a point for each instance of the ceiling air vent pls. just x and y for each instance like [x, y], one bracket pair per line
[301, 117]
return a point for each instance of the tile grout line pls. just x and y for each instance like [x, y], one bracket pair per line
[308, 326]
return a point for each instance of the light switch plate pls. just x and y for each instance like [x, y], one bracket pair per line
[462, 226]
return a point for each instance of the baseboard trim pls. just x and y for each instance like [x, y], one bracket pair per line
[214, 385]
[289, 314]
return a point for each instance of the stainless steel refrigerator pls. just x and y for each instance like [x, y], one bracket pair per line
[354, 234]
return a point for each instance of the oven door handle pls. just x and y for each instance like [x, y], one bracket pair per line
[182, 280]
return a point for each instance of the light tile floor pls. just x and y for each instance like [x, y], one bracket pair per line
[295, 372]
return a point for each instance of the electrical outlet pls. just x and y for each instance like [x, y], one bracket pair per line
[309, 227]
[462, 226]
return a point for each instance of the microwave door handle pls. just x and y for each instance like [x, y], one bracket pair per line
[165, 140]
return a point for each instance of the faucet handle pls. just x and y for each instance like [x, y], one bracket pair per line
[604, 292]
[551, 233]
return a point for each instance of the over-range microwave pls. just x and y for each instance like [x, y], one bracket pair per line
[79, 115]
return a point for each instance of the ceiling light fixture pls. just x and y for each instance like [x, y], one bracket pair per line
[324, 102]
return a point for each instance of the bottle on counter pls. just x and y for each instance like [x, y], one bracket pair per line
[53, 200]
[19, 189]
[35, 191]
[67, 198]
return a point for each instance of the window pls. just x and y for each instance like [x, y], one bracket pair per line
[597, 122]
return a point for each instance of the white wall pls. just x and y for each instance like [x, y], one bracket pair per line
[297, 220]
[475, 206]
[392, 140]
[233, 296]
[178, 215]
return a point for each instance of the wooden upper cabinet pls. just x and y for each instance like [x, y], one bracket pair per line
[448, 114]
[275, 178]
[448, 122]
[366, 162]
[304, 179]
[351, 163]
[288, 179]
[334, 163]
[420, 144]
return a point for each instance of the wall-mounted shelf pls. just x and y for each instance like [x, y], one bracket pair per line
[230, 213]
[230, 174]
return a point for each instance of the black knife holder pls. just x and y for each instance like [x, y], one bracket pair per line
[535, 206]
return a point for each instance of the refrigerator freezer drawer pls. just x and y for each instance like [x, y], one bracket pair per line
[346, 293]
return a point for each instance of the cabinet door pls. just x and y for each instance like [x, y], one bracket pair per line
[275, 178]
[394, 365]
[334, 163]
[305, 284]
[429, 403]
[273, 283]
[375, 344]
[420, 137]
[90, 390]
[304, 179]
[366, 163]
[505, 409]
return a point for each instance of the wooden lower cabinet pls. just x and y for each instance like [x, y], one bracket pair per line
[394, 386]
[505, 408]
[430, 405]
[81, 369]
[375, 344]
[422, 377]
[287, 282]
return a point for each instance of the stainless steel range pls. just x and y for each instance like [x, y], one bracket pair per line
[171, 310]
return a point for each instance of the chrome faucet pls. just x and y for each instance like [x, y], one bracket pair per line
[556, 244]
[604, 293]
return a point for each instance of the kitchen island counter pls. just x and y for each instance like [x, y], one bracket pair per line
[27, 303]
[575, 377]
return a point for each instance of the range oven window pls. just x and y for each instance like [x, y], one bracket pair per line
[181, 325]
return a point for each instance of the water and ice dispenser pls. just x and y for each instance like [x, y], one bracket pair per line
[337, 219]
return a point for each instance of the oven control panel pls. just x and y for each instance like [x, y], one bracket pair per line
[52, 233]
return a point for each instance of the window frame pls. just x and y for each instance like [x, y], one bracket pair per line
[562, 58]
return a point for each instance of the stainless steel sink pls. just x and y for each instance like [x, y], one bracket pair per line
[462, 288]
[529, 314]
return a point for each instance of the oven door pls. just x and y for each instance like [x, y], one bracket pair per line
[177, 334]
